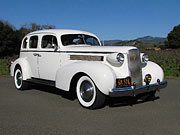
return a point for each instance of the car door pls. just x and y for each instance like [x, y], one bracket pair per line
[49, 60]
[32, 55]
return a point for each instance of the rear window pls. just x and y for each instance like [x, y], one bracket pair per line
[33, 42]
[25, 43]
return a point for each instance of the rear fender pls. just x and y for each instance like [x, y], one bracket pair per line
[23, 63]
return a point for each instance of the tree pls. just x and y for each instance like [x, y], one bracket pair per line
[8, 39]
[34, 27]
[174, 38]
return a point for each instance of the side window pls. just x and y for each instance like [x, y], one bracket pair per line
[25, 43]
[49, 41]
[33, 42]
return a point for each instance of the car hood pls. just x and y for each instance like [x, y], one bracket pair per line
[98, 49]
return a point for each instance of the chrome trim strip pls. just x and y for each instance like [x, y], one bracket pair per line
[86, 52]
[66, 51]
[86, 57]
[40, 51]
[135, 90]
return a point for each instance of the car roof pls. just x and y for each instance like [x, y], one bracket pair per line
[61, 32]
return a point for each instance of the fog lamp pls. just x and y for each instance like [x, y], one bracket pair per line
[147, 79]
[145, 58]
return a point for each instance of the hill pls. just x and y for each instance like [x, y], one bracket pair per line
[150, 39]
[146, 39]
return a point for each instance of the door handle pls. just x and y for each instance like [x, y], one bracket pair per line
[37, 54]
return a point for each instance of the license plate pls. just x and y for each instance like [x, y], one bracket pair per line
[125, 82]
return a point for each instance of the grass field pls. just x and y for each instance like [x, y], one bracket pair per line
[169, 60]
[4, 67]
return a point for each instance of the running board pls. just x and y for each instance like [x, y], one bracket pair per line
[42, 81]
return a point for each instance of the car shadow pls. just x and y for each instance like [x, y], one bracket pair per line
[111, 102]
[53, 90]
[128, 101]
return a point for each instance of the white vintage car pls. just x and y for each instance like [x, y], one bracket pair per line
[73, 60]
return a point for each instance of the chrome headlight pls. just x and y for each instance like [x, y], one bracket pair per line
[120, 57]
[145, 58]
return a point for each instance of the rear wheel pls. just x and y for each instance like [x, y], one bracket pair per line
[88, 94]
[18, 80]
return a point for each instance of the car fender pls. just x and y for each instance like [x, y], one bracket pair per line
[102, 75]
[154, 70]
[23, 63]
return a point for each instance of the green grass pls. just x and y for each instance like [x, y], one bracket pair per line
[169, 60]
[4, 66]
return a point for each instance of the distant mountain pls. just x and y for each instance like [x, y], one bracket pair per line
[146, 39]
[150, 39]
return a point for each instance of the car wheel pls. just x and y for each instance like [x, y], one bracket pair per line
[88, 95]
[18, 80]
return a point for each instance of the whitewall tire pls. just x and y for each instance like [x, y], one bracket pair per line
[87, 93]
[18, 80]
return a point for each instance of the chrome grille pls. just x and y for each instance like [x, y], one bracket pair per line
[135, 68]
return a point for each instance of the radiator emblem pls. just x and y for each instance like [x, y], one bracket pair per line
[134, 58]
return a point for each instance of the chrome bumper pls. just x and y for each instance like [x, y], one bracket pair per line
[135, 90]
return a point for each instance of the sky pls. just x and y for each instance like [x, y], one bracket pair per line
[108, 19]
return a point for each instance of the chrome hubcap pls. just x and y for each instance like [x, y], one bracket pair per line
[86, 91]
[19, 78]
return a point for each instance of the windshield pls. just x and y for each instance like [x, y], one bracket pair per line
[77, 39]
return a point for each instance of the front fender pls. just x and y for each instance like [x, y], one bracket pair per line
[154, 70]
[102, 75]
[23, 63]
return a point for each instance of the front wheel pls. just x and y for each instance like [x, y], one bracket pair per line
[88, 94]
[20, 84]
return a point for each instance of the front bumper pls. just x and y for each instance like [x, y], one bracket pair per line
[135, 90]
